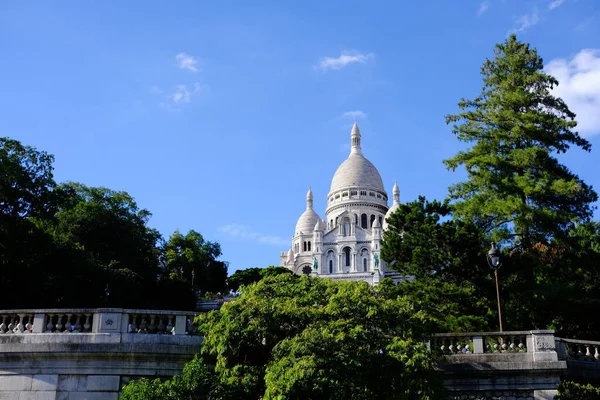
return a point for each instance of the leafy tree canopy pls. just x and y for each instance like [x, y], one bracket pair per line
[191, 259]
[290, 337]
[245, 277]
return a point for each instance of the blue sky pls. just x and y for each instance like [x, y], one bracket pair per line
[217, 116]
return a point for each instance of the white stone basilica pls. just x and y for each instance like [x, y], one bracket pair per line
[346, 245]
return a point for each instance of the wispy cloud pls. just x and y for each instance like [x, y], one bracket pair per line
[355, 115]
[244, 232]
[346, 58]
[554, 4]
[525, 22]
[579, 87]
[483, 7]
[176, 97]
[186, 62]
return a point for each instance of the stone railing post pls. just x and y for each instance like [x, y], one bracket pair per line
[39, 320]
[107, 321]
[543, 346]
[180, 324]
[477, 345]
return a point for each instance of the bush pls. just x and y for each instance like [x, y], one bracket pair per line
[576, 391]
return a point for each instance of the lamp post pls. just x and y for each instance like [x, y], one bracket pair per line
[494, 261]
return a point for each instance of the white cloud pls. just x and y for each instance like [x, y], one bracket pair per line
[186, 62]
[345, 59]
[180, 95]
[483, 7]
[526, 21]
[355, 115]
[243, 232]
[555, 3]
[579, 87]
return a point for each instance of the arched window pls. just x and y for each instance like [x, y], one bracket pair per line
[347, 256]
[331, 266]
[304, 247]
[372, 220]
[355, 219]
[364, 255]
[380, 221]
[331, 224]
[363, 221]
[308, 246]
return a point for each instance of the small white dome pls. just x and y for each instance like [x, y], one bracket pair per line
[320, 226]
[309, 218]
[376, 224]
[307, 221]
[395, 205]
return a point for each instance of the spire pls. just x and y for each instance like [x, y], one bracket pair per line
[396, 192]
[309, 199]
[355, 140]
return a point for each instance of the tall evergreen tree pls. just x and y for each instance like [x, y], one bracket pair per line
[516, 186]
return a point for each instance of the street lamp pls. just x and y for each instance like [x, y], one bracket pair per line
[494, 261]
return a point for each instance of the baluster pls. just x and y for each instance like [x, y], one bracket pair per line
[152, 325]
[170, 324]
[522, 344]
[29, 325]
[11, 325]
[86, 325]
[596, 354]
[49, 325]
[78, 318]
[161, 325]
[587, 351]
[579, 352]
[2, 324]
[511, 346]
[20, 326]
[495, 347]
[144, 324]
[133, 323]
[59, 324]
[68, 324]
[451, 345]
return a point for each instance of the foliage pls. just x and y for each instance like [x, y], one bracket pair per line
[190, 259]
[516, 187]
[245, 277]
[84, 246]
[575, 391]
[291, 337]
[446, 258]
[196, 382]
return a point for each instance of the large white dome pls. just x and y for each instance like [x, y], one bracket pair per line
[356, 170]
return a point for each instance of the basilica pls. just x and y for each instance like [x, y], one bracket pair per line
[346, 245]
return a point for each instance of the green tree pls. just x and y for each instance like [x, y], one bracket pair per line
[190, 257]
[27, 192]
[516, 186]
[245, 277]
[446, 258]
[290, 337]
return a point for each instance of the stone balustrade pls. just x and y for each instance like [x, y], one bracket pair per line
[575, 349]
[480, 342]
[110, 320]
